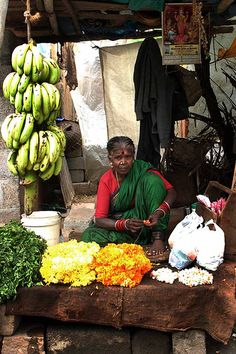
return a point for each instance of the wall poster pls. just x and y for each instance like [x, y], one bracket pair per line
[181, 34]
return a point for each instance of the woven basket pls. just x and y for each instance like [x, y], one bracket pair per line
[72, 133]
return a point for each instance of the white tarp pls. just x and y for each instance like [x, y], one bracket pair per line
[89, 105]
[117, 69]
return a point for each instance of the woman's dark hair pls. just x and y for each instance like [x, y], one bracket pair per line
[117, 140]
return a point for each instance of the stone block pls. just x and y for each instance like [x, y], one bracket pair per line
[74, 153]
[29, 338]
[87, 188]
[86, 339]
[76, 163]
[9, 193]
[145, 341]
[189, 342]
[8, 323]
[77, 176]
[7, 215]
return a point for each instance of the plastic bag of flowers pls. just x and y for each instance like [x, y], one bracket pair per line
[123, 264]
[70, 262]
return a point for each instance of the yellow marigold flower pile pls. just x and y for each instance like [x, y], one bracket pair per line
[123, 264]
[70, 262]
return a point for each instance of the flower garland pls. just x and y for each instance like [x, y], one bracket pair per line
[70, 262]
[123, 264]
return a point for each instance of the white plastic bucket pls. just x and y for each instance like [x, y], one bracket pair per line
[46, 224]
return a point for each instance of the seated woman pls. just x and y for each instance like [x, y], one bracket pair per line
[133, 202]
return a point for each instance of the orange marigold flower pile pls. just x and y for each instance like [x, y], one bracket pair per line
[123, 264]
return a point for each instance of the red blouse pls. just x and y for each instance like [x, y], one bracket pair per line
[107, 186]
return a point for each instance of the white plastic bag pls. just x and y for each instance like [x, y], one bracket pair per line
[210, 246]
[185, 228]
[183, 241]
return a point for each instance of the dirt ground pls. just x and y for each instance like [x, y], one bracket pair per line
[84, 198]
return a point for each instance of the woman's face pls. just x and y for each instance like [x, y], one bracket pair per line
[122, 158]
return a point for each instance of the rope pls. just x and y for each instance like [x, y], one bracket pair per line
[27, 20]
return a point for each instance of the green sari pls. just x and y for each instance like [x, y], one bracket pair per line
[139, 195]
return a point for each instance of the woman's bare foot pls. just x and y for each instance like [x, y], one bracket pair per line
[157, 251]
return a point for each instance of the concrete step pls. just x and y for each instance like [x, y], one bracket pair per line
[78, 219]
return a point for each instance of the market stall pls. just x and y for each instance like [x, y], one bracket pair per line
[151, 304]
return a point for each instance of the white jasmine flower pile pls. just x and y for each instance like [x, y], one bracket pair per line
[190, 277]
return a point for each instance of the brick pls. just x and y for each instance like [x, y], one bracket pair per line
[76, 163]
[8, 323]
[145, 341]
[189, 342]
[28, 339]
[86, 339]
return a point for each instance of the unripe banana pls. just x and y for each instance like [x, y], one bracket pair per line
[45, 162]
[51, 94]
[7, 85]
[11, 162]
[18, 102]
[14, 57]
[38, 58]
[27, 98]
[15, 145]
[28, 62]
[10, 128]
[23, 156]
[57, 98]
[21, 55]
[46, 108]
[54, 71]
[20, 121]
[24, 82]
[54, 146]
[48, 173]
[61, 135]
[4, 126]
[33, 147]
[12, 99]
[42, 145]
[14, 84]
[34, 71]
[27, 128]
[58, 166]
[36, 166]
[19, 71]
[37, 99]
[44, 74]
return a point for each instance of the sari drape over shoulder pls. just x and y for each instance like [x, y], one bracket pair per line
[139, 195]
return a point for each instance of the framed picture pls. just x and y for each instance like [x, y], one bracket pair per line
[181, 34]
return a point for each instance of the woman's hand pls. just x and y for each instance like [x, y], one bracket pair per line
[153, 218]
[134, 225]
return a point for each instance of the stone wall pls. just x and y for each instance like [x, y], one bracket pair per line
[9, 185]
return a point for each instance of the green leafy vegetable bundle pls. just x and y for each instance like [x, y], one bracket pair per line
[20, 258]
